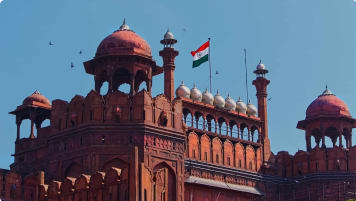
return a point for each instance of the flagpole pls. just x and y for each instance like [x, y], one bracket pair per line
[209, 65]
[246, 75]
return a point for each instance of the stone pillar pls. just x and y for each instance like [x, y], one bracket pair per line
[18, 124]
[308, 141]
[340, 140]
[323, 141]
[32, 118]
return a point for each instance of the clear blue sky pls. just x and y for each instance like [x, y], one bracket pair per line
[305, 44]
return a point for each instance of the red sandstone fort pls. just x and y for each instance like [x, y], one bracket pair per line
[182, 145]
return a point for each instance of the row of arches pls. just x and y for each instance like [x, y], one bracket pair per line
[115, 78]
[341, 135]
[223, 153]
[220, 125]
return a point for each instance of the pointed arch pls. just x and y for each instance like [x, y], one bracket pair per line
[73, 170]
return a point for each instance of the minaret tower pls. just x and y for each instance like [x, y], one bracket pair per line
[261, 83]
[168, 54]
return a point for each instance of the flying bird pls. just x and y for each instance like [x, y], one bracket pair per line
[217, 73]
[80, 52]
[270, 99]
[184, 29]
[71, 65]
[50, 43]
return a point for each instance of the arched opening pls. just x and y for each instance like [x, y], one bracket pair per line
[243, 131]
[188, 118]
[223, 130]
[210, 123]
[125, 88]
[254, 134]
[232, 128]
[332, 138]
[142, 86]
[199, 120]
[317, 137]
[141, 80]
[104, 88]
[45, 123]
[25, 128]
[164, 183]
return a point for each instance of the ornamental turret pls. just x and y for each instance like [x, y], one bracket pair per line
[168, 54]
[261, 83]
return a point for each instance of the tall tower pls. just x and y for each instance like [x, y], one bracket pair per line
[261, 83]
[168, 54]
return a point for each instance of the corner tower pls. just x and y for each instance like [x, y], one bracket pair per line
[123, 58]
[261, 83]
[327, 116]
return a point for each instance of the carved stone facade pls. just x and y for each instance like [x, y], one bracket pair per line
[132, 146]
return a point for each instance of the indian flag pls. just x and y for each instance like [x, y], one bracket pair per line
[201, 55]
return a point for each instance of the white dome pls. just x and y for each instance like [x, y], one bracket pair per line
[251, 109]
[260, 66]
[183, 91]
[208, 98]
[219, 101]
[168, 35]
[195, 94]
[230, 103]
[241, 106]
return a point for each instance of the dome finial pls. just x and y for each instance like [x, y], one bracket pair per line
[326, 91]
[124, 26]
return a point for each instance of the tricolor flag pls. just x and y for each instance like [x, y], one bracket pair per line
[201, 55]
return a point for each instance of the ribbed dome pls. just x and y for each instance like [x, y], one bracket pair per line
[251, 109]
[241, 106]
[230, 103]
[208, 98]
[195, 94]
[183, 91]
[327, 104]
[219, 101]
[124, 41]
[36, 97]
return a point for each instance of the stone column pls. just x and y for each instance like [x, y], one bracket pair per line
[18, 124]
[340, 140]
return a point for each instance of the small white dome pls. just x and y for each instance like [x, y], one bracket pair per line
[124, 26]
[208, 98]
[230, 103]
[241, 106]
[168, 35]
[260, 66]
[195, 94]
[219, 101]
[251, 109]
[183, 91]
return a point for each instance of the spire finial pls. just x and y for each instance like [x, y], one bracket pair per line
[124, 26]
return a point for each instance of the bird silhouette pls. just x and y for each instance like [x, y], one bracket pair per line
[270, 99]
[50, 43]
[217, 73]
[71, 65]
[80, 52]
[184, 29]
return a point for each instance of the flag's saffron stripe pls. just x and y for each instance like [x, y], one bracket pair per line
[196, 63]
[201, 48]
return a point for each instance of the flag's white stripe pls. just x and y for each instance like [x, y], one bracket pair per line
[200, 54]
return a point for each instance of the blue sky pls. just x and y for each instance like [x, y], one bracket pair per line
[305, 45]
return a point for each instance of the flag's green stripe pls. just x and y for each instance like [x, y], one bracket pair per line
[196, 63]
